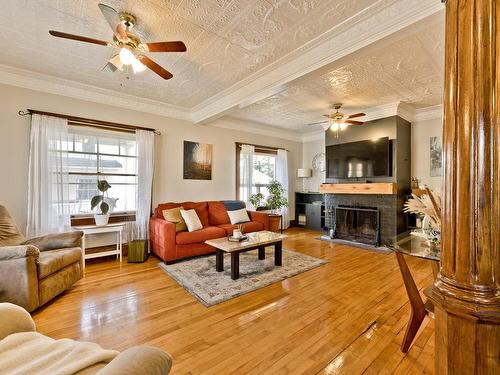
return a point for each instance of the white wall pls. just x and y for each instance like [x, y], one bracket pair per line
[309, 150]
[168, 182]
[421, 131]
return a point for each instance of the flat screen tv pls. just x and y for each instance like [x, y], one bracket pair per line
[364, 159]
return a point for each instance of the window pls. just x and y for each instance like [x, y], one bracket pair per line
[101, 154]
[263, 172]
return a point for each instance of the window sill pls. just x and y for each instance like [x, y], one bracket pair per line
[113, 218]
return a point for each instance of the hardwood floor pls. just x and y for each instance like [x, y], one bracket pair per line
[346, 317]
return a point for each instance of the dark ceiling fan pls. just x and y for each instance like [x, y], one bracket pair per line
[131, 49]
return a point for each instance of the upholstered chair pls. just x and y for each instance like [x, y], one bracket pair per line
[25, 351]
[34, 271]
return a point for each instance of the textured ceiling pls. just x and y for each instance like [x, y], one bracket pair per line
[410, 70]
[227, 41]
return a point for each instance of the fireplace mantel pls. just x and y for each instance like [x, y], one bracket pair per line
[386, 188]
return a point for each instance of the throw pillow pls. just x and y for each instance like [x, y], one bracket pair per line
[173, 215]
[238, 216]
[192, 220]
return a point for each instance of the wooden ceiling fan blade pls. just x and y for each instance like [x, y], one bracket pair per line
[113, 19]
[79, 38]
[356, 115]
[174, 46]
[352, 122]
[162, 72]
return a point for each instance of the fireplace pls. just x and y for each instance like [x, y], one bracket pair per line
[359, 224]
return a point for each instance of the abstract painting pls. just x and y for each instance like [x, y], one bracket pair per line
[197, 161]
[435, 157]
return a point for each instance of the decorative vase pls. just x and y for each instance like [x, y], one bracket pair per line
[101, 219]
[433, 235]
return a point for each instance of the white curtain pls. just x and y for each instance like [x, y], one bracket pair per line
[282, 177]
[145, 166]
[48, 189]
[246, 173]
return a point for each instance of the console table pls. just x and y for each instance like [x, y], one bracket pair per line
[99, 229]
[417, 247]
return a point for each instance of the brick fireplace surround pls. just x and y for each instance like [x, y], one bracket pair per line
[389, 205]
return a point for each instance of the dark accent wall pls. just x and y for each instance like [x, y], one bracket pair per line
[399, 132]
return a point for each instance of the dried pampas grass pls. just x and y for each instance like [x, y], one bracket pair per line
[428, 204]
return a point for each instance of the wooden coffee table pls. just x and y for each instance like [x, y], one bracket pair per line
[256, 240]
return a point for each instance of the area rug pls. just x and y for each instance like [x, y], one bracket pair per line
[199, 277]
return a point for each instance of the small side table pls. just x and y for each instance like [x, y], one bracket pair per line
[275, 215]
[280, 219]
[98, 229]
[417, 247]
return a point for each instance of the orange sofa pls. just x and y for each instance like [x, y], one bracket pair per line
[171, 246]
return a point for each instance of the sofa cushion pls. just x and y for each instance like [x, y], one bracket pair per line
[207, 233]
[52, 261]
[9, 234]
[192, 220]
[164, 206]
[232, 205]
[217, 213]
[251, 226]
[201, 209]
[238, 216]
[173, 215]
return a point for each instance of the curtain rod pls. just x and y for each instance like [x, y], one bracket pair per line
[239, 144]
[88, 121]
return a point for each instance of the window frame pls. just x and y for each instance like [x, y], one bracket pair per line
[258, 150]
[117, 216]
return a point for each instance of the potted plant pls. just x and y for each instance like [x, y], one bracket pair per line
[275, 202]
[257, 201]
[277, 196]
[102, 216]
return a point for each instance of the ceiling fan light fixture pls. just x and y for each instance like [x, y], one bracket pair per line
[137, 66]
[126, 56]
[343, 126]
[117, 62]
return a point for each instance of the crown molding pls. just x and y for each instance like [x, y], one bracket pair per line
[378, 21]
[429, 113]
[49, 84]
[256, 128]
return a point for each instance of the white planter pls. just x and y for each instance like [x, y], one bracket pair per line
[101, 219]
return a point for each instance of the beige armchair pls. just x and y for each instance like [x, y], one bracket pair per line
[17, 330]
[34, 271]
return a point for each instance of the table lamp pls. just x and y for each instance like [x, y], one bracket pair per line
[304, 173]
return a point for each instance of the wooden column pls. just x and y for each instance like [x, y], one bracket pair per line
[466, 292]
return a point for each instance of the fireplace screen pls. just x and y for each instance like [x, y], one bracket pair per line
[360, 224]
